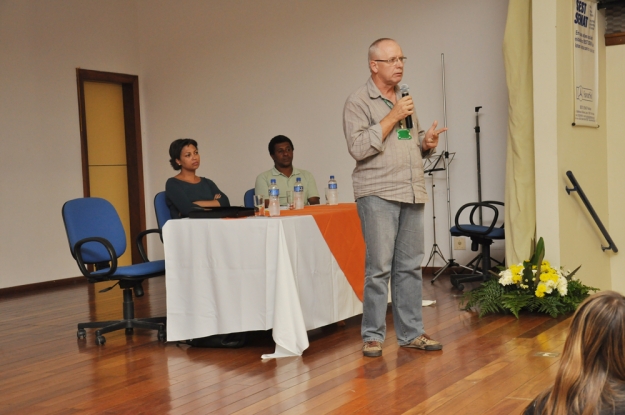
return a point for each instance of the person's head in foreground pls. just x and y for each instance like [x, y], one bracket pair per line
[591, 377]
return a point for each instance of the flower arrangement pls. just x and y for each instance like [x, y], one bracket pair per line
[532, 285]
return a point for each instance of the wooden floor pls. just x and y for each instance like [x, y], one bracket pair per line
[488, 366]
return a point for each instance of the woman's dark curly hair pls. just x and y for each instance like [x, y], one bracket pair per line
[176, 148]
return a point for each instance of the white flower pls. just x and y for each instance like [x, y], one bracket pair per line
[562, 286]
[506, 277]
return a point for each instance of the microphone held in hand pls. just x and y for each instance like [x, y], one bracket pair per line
[404, 92]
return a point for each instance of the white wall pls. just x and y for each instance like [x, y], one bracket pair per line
[615, 79]
[571, 236]
[231, 74]
[234, 74]
[41, 45]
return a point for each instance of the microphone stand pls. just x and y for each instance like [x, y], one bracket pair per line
[479, 170]
[478, 258]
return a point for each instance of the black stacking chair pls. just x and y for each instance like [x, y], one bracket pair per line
[481, 237]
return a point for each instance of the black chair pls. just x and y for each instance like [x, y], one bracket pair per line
[481, 236]
[96, 237]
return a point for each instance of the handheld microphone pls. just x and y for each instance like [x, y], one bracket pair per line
[404, 92]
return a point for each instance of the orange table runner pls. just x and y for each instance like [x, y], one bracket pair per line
[340, 227]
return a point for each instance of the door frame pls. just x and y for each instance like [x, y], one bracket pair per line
[134, 152]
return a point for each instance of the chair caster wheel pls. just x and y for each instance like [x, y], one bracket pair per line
[100, 340]
[162, 335]
[82, 334]
[129, 330]
[460, 287]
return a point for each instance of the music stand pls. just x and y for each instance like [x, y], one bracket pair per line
[431, 165]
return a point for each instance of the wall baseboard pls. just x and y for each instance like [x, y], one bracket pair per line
[41, 286]
[430, 271]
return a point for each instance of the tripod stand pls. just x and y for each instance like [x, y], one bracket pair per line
[435, 249]
[452, 262]
[446, 161]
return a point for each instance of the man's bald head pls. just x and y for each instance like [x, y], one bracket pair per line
[374, 48]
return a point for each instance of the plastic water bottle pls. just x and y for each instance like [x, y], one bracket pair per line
[333, 192]
[298, 194]
[274, 199]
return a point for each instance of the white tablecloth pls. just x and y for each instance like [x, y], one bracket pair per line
[236, 275]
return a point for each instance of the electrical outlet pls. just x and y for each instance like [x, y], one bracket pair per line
[460, 243]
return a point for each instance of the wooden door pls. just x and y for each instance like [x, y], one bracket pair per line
[110, 130]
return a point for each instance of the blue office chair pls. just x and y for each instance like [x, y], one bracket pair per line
[483, 236]
[163, 214]
[248, 199]
[96, 237]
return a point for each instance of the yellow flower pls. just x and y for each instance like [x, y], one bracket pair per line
[540, 290]
[548, 270]
[516, 269]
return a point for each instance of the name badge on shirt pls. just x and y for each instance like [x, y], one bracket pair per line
[403, 134]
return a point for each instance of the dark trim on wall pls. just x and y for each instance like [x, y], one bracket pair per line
[615, 39]
[134, 161]
[608, 4]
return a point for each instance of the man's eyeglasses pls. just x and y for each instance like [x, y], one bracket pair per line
[393, 61]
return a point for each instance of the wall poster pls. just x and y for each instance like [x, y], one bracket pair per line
[586, 62]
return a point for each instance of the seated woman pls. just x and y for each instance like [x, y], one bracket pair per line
[591, 376]
[186, 191]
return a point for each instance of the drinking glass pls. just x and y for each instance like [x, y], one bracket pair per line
[259, 205]
[289, 199]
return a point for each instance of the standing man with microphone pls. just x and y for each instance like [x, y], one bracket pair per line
[389, 189]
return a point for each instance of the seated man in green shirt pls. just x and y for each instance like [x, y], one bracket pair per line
[281, 151]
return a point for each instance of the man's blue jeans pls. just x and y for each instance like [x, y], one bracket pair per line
[393, 233]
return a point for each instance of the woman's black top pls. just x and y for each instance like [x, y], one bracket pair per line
[181, 195]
